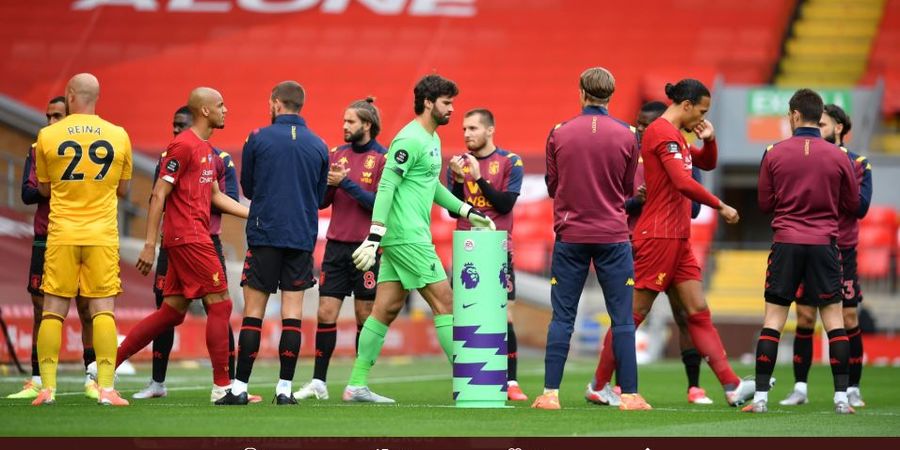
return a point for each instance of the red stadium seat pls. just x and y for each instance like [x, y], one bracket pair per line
[877, 236]
[880, 215]
[531, 256]
[874, 262]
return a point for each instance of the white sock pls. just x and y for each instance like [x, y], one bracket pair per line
[853, 389]
[512, 383]
[800, 387]
[761, 396]
[238, 387]
[840, 396]
[551, 391]
[316, 381]
[37, 380]
[283, 387]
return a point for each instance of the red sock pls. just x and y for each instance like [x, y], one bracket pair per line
[146, 330]
[607, 364]
[708, 343]
[217, 316]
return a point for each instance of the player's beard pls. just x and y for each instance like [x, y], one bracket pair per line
[439, 117]
[476, 145]
[354, 137]
[831, 138]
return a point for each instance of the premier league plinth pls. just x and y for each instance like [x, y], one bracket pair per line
[480, 273]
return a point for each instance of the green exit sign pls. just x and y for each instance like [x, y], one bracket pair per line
[774, 101]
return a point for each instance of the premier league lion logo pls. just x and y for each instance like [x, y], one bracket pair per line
[469, 276]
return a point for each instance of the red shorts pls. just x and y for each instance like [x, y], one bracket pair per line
[658, 263]
[194, 271]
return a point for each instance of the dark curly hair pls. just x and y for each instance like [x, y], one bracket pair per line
[430, 87]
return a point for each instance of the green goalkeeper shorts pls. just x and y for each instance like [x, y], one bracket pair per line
[413, 265]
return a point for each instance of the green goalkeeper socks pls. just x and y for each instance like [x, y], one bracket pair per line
[371, 339]
[443, 325]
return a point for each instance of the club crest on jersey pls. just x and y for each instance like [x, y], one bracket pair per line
[494, 168]
[401, 156]
[370, 162]
[673, 148]
[172, 166]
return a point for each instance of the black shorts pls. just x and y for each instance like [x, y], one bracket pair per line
[162, 266]
[340, 278]
[851, 290]
[269, 269]
[36, 269]
[817, 268]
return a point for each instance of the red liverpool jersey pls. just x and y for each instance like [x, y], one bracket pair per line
[668, 161]
[189, 167]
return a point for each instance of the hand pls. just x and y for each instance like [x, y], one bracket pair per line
[474, 168]
[641, 195]
[456, 166]
[145, 259]
[476, 217]
[337, 174]
[730, 214]
[704, 130]
[364, 256]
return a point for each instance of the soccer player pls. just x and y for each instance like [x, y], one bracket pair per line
[284, 172]
[83, 164]
[56, 111]
[663, 255]
[490, 179]
[352, 181]
[834, 126]
[633, 206]
[187, 191]
[591, 160]
[807, 182]
[401, 226]
[162, 345]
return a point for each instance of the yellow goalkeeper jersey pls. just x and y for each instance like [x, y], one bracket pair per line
[83, 157]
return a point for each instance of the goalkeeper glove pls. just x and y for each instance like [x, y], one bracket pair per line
[364, 256]
[476, 217]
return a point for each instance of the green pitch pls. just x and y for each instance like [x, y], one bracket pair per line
[422, 388]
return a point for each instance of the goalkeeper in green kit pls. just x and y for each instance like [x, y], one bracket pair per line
[401, 226]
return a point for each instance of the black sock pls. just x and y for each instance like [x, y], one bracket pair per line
[766, 354]
[289, 347]
[512, 345]
[359, 328]
[88, 356]
[803, 350]
[162, 347]
[691, 359]
[856, 355]
[35, 367]
[326, 338]
[248, 346]
[231, 352]
[839, 356]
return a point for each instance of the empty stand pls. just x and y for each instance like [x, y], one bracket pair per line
[521, 59]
